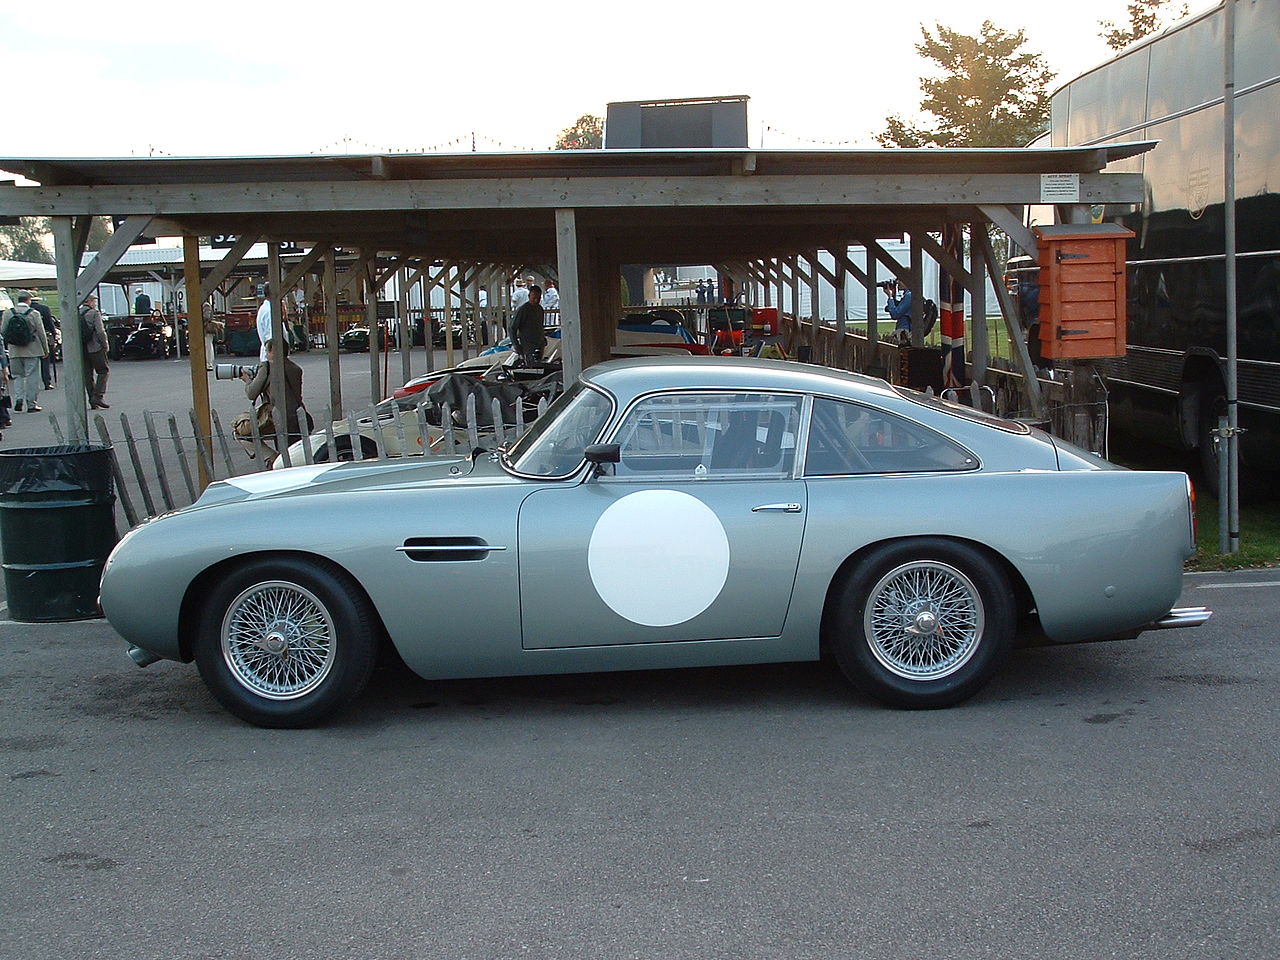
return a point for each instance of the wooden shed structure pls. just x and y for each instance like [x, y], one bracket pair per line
[759, 216]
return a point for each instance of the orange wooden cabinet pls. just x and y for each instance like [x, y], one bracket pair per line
[1082, 290]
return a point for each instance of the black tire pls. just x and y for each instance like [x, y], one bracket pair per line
[368, 450]
[922, 623]
[243, 649]
[1254, 484]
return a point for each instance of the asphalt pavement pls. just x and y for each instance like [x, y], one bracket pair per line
[1104, 800]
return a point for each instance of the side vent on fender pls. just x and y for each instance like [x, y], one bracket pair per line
[448, 549]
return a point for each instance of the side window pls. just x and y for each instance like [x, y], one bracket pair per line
[849, 438]
[709, 435]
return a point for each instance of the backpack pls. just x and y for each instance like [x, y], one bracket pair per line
[929, 315]
[87, 331]
[17, 329]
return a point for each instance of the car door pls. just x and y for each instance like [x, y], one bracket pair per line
[694, 534]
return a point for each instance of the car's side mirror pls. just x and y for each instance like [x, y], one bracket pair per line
[599, 453]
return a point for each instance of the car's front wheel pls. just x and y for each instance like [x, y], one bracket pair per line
[922, 623]
[284, 642]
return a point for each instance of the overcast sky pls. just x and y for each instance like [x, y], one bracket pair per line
[130, 77]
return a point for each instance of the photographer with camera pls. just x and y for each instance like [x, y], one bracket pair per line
[899, 309]
[257, 381]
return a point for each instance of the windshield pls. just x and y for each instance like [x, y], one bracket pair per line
[553, 446]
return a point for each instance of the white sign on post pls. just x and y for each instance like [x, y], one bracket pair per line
[1059, 188]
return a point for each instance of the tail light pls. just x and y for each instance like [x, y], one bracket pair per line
[1191, 505]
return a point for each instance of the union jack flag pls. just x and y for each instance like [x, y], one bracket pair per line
[951, 311]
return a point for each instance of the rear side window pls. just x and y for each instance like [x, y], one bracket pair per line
[847, 438]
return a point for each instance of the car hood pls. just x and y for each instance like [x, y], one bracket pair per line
[335, 477]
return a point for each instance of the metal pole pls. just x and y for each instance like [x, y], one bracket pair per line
[1229, 226]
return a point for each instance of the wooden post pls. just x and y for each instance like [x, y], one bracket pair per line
[918, 294]
[331, 334]
[405, 336]
[570, 295]
[279, 395]
[371, 321]
[196, 350]
[815, 297]
[842, 278]
[73, 388]
[447, 286]
[873, 309]
[978, 293]
[777, 272]
[794, 263]
[428, 327]
[1016, 335]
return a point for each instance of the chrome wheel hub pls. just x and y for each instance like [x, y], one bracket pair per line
[278, 640]
[924, 620]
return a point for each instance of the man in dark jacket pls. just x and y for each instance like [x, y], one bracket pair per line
[51, 334]
[527, 335]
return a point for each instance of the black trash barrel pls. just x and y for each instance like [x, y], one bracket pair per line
[57, 526]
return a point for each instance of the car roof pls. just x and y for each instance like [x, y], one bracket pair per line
[634, 376]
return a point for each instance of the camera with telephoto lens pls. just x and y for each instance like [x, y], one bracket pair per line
[887, 285]
[232, 371]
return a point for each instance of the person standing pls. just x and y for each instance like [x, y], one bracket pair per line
[5, 401]
[258, 389]
[93, 337]
[52, 334]
[25, 339]
[519, 296]
[142, 304]
[528, 337]
[551, 297]
[264, 323]
[899, 310]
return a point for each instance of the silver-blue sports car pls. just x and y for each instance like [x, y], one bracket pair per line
[665, 512]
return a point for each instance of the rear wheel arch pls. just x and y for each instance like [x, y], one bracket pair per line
[921, 622]
[199, 589]
[1024, 601]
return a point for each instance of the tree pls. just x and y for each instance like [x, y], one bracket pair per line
[27, 240]
[31, 239]
[1145, 18]
[587, 133]
[990, 94]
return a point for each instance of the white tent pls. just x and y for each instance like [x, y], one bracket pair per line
[19, 273]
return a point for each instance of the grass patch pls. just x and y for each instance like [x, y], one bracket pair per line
[1259, 536]
[1259, 522]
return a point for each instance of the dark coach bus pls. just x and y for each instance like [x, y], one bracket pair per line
[1170, 385]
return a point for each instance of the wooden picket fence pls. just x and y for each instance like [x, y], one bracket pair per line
[156, 468]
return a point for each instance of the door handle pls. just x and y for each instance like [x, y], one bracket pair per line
[777, 508]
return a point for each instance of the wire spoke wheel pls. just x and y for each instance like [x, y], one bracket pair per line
[278, 640]
[924, 620]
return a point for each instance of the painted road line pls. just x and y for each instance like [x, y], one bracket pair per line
[1231, 586]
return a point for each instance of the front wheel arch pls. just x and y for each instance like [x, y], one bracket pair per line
[200, 587]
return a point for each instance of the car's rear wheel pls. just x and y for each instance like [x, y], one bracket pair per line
[285, 642]
[922, 623]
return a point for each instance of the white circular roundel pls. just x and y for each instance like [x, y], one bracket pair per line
[658, 557]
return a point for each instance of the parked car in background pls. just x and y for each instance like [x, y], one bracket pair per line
[149, 337]
[665, 512]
